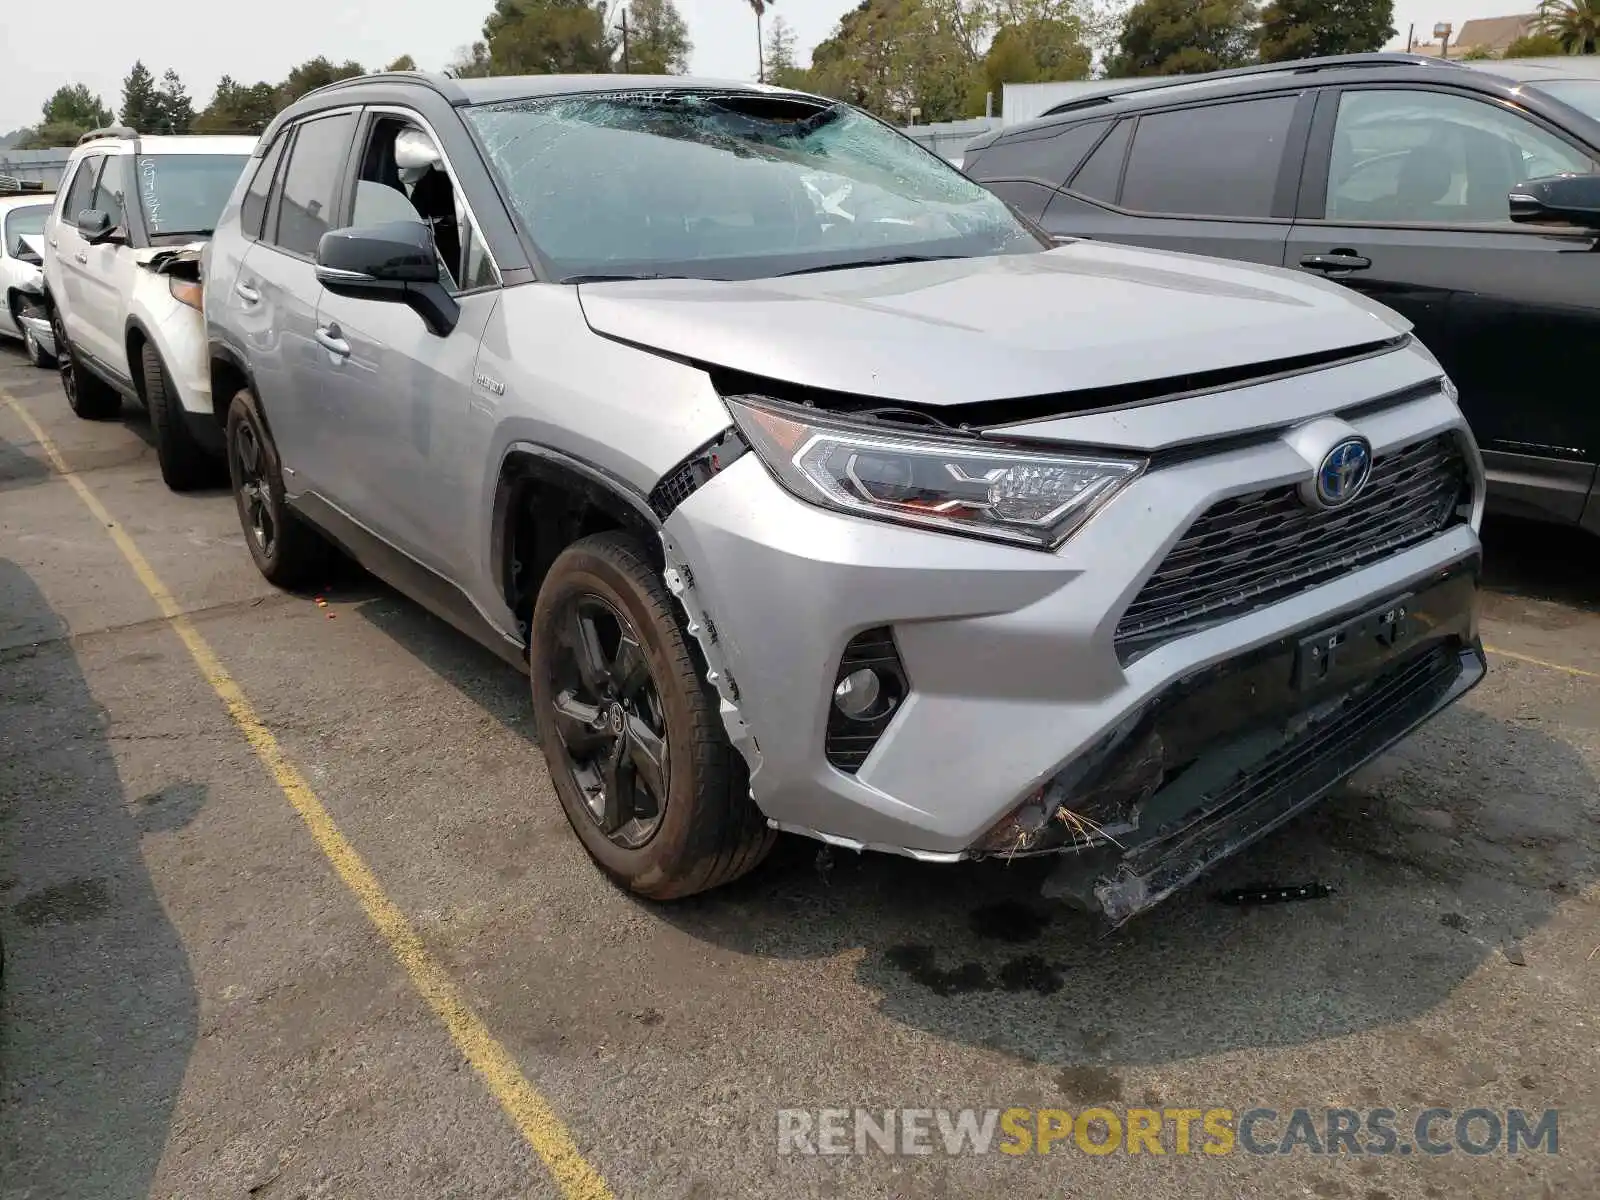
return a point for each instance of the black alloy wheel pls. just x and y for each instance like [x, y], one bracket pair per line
[257, 505]
[609, 716]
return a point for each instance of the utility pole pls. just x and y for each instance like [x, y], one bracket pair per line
[626, 65]
[1411, 37]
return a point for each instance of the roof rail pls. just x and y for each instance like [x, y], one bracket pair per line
[110, 131]
[1304, 66]
[443, 84]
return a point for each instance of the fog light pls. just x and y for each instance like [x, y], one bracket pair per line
[857, 693]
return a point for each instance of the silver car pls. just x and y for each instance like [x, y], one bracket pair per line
[817, 492]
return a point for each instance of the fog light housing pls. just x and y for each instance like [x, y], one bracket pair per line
[858, 694]
[868, 689]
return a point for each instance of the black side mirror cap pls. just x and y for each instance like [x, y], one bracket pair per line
[396, 262]
[95, 226]
[1558, 200]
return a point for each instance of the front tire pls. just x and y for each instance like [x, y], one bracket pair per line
[34, 351]
[630, 730]
[89, 396]
[185, 465]
[287, 551]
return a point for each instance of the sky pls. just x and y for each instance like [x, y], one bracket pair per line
[196, 39]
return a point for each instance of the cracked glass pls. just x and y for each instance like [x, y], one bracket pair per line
[730, 186]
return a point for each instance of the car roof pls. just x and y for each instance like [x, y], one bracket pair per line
[501, 88]
[10, 200]
[186, 143]
[1489, 75]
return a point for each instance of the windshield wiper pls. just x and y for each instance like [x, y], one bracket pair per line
[891, 261]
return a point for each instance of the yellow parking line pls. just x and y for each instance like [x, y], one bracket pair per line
[528, 1110]
[1545, 663]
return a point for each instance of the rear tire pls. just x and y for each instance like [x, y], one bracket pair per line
[185, 464]
[703, 830]
[89, 396]
[287, 551]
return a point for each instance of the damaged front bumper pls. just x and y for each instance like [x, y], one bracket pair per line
[1021, 724]
[1224, 758]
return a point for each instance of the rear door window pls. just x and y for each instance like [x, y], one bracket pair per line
[253, 209]
[310, 183]
[1221, 160]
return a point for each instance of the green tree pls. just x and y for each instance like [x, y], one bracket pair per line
[176, 111]
[1042, 40]
[238, 108]
[779, 65]
[1575, 24]
[313, 74]
[895, 56]
[141, 101]
[52, 135]
[548, 37]
[1184, 37]
[75, 104]
[1293, 29]
[658, 39]
[404, 63]
[470, 62]
[1535, 45]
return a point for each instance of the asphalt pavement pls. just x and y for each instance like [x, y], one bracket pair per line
[303, 919]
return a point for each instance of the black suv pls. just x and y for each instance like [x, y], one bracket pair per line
[1393, 174]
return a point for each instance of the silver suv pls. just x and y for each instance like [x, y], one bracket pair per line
[817, 492]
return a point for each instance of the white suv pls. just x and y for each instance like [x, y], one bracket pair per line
[122, 275]
[22, 217]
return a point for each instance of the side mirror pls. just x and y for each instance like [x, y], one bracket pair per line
[1558, 200]
[396, 262]
[95, 226]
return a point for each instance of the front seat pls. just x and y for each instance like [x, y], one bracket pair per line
[1425, 177]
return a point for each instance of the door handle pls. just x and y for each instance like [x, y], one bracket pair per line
[1336, 260]
[81, 256]
[328, 338]
[52, 243]
[246, 293]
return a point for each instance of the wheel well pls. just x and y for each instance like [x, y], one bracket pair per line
[227, 378]
[541, 508]
[135, 340]
[14, 304]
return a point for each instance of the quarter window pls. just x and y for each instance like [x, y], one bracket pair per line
[1432, 158]
[1098, 178]
[305, 203]
[110, 189]
[77, 197]
[1221, 160]
[254, 206]
[1048, 160]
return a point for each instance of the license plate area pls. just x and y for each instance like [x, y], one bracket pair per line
[1357, 641]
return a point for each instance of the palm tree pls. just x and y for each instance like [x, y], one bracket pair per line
[760, 7]
[1575, 23]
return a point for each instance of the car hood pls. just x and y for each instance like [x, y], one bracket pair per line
[1084, 315]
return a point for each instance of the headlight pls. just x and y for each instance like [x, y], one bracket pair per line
[961, 486]
[186, 291]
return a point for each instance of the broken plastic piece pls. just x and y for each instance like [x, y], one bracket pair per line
[1274, 894]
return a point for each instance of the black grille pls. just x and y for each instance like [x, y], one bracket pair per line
[1254, 550]
[849, 741]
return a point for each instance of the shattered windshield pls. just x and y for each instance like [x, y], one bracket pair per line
[726, 185]
[185, 193]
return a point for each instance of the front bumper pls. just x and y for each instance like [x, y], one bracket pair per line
[1014, 674]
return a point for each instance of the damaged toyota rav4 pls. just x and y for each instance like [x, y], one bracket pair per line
[816, 491]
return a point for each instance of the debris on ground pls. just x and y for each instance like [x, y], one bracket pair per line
[1247, 897]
